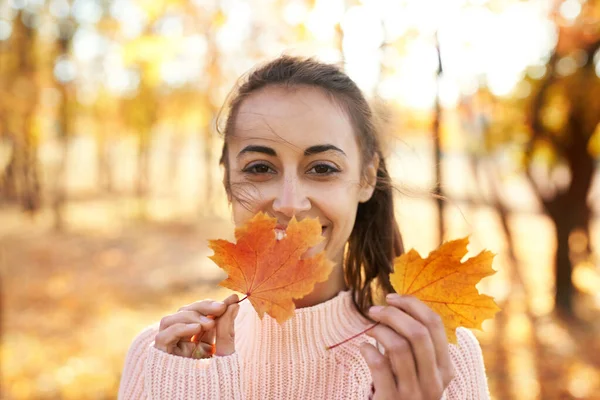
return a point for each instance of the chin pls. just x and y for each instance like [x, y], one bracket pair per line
[313, 251]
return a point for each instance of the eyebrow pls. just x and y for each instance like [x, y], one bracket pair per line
[321, 148]
[258, 149]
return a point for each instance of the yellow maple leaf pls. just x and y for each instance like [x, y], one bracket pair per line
[447, 285]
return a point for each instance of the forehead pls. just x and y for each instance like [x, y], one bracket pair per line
[301, 116]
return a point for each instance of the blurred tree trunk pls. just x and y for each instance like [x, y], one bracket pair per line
[570, 212]
[143, 163]
[65, 115]
[105, 181]
[143, 166]
[144, 114]
[174, 160]
[438, 147]
[8, 184]
[568, 209]
[106, 116]
[7, 177]
[209, 160]
[25, 90]
[208, 133]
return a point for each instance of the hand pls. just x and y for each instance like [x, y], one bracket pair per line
[416, 364]
[211, 322]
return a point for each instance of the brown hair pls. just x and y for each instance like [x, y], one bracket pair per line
[375, 239]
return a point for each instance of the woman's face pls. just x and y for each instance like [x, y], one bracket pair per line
[293, 152]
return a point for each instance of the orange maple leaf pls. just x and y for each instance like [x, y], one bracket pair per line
[268, 271]
[447, 285]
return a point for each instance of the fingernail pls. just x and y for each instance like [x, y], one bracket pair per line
[193, 326]
[393, 296]
[204, 319]
[375, 309]
[217, 303]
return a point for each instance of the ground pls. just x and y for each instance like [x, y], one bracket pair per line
[73, 301]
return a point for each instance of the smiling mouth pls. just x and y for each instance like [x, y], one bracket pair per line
[280, 231]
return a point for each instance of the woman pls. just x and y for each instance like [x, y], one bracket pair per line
[301, 140]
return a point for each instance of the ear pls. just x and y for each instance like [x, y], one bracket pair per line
[367, 187]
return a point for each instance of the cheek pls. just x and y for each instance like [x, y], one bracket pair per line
[340, 209]
[248, 199]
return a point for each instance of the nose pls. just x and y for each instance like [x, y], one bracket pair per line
[291, 199]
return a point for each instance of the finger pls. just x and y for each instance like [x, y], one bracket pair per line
[209, 336]
[186, 317]
[381, 372]
[417, 335]
[231, 299]
[206, 307]
[424, 314]
[206, 336]
[167, 339]
[398, 351]
[203, 350]
[184, 349]
[225, 328]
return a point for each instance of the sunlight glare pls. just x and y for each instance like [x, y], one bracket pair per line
[230, 37]
[329, 55]
[59, 8]
[395, 19]
[5, 29]
[295, 12]
[502, 84]
[196, 45]
[449, 92]
[570, 9]
[537, 71]
[171, 26]
[64, 69]
[18, 4]
[88, 44]
[131, 18]
[323, 18]
[87, 11]
[363, 35]
[566, 66]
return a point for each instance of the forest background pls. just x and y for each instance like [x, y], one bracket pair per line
[110, 184]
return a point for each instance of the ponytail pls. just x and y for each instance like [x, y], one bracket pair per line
[373, 244]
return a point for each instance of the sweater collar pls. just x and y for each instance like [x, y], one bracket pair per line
[306, 335]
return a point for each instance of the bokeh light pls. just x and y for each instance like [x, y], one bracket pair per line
[110, 184]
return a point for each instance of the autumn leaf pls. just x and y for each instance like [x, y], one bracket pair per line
[447, 285]
[272, 272]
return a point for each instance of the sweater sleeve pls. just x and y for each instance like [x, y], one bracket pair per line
[153, 374]
[470, 381]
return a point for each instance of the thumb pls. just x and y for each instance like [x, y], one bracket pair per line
[225, 328]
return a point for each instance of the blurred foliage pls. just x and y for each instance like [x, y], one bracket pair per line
[108, 111]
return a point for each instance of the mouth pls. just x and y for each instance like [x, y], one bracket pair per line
[280, 231]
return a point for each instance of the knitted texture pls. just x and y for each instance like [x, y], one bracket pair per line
[287, 361]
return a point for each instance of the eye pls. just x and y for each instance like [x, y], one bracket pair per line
[258, 168]
[323, 169]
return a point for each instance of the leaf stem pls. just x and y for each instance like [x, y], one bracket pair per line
[353, 336]
[239, 301]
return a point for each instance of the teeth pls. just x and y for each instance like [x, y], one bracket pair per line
[279, 234]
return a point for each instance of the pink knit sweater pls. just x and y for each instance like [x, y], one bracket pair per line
[286, 361]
